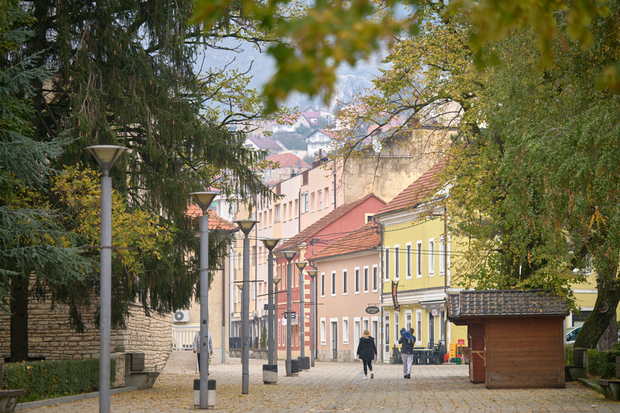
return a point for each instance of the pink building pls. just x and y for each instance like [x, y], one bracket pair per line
[348, 283]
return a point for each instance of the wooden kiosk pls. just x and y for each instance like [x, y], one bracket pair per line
[515, 338]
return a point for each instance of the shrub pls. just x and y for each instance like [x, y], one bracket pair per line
[49, 379]
[568, 354]
[593, 362]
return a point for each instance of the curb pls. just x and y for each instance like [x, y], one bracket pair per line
[66, 399]
[591, 385]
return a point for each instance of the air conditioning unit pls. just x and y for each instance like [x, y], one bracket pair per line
[181, 316]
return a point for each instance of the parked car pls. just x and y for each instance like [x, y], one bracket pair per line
[571, 336]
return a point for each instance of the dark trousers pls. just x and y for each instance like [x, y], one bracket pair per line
[367, 365]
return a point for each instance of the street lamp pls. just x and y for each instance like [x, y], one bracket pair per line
[204, 200]
[270, 244]
[289, 255]
[312, 273]
[245, 226]
[276, 281]
[302, 354]
[105, 155]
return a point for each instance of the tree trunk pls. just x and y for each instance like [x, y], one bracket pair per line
[19, 319]
[610, 336]
[604, 311]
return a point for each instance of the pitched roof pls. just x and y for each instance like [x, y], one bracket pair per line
[505, 303]
[215, 221]
[366, 238]
[264, 143]
[418, 190]
[288, 160]
[328, 219]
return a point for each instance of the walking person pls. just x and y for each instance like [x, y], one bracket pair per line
[196, 346]
[407, 339]
[367, 351]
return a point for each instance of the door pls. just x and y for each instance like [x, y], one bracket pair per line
[335, 340]
[431, 329]
[476, 345]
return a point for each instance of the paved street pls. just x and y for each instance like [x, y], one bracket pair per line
[340, 387]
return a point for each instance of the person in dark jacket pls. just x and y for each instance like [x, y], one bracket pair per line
[407, 339]
[367, 350]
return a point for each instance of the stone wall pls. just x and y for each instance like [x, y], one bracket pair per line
[51, 337]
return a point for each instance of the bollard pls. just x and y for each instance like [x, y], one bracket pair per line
[210, 394]
[270, 373]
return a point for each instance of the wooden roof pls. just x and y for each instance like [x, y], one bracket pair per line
[504, 303]
[421, 188]
[311, 230]
[367, 237]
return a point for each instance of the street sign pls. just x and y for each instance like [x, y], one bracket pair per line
[372, 309]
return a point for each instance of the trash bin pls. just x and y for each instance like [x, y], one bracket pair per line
[210, 393]
[304, 363]
[270, 373]
[295, 368]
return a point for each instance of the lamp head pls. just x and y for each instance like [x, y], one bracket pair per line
[246, 225]
[204, 199]
[312, 273]
[271, 243]
[276, 280]
[106, 155]
[289, 255]
[301, 265]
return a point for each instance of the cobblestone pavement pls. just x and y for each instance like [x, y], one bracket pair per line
[340, 387]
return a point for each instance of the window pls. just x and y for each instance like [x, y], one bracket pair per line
[357, 329]
[322, 284]
[304, 202]
[320, 193]
[375, 278]
[387, 263]
[296, 208]
[326, 192]
[345, 283]
[278, 216]
[431, 257]
[442, 257]
[323, 331]
[419, 260]
[408, 320]
[396, 263]
[357, 281]
[312, 201]
[396, 327]
[418, 330]
[345, 331]
[290, 210]
[365, 279]
[270, 220]
[334, 283]
[408, 261]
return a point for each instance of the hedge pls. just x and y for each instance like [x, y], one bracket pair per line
[49, 379]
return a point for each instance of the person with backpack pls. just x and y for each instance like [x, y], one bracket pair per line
[367, 351]
[407, 339]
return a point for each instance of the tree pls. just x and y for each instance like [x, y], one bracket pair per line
[324, 35]
[128, 73]
[32, 237]
[554, 136]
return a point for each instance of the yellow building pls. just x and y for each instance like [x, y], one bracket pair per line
[416, 267]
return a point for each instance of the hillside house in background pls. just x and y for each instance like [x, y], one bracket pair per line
[289, 165]
[262, 143]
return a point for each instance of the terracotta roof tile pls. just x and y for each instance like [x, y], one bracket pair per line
[287, 160]
[365, 238]
[314, 228]
[215, 221]
[418, 190]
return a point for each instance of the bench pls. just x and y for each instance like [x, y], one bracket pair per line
[135, 374]
[9, 399]
[610, 389]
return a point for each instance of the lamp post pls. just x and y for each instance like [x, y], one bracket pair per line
[270, 244]
[289, 255]
[105, 155]
[204, 200]
[276, 281]
[245, 226]
[312, 273]
[302, 322]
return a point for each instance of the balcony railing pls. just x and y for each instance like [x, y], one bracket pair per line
[183, 337]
